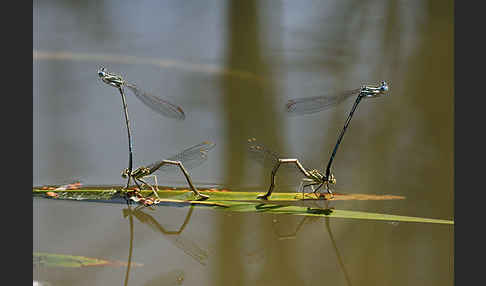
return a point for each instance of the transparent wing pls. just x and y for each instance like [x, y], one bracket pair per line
[190, 158]
[315, 104]
[268, 158]
[158, 104]
[262, 154]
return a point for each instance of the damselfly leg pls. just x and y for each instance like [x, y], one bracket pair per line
[155, 189]
[193, 156]
[311, 177]
[310, 184]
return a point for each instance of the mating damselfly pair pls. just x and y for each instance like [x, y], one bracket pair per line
[195, 154]
[309, 105]
[198, 152]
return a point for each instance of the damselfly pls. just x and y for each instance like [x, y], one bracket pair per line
[310, 105]
[312, 176]
[155, 103]
[193, 157]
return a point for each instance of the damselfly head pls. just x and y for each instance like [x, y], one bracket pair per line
[101, 72]
[124, 173]
[332, 179]
[372, 92]
[109, 78]
[384, 88]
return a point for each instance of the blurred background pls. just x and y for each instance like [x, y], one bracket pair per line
[232, 66]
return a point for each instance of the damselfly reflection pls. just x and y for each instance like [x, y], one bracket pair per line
[187, 245]
[171, 278]
[293, 234]
[192, 157]
[314, 220]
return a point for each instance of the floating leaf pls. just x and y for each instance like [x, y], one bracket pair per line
[172, 194]
[234, 201]
[70, 261]
[321, 212]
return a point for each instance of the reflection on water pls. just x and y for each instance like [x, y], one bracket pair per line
[189, 247]
[301, 236]
[41, 283]
[174, 277]
[340, 260]
[233, 65]
[185, 244]
[312, 221]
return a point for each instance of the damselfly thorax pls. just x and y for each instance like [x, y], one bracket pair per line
[110, 78]
[140, 172]
[316, 176]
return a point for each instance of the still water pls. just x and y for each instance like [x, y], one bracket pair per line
[232, 66]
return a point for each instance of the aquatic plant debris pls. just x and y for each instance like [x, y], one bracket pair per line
[110, 192]
[234, 201]
[70, 261]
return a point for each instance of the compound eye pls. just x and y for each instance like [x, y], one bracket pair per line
[384, 86]
[102, 72]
